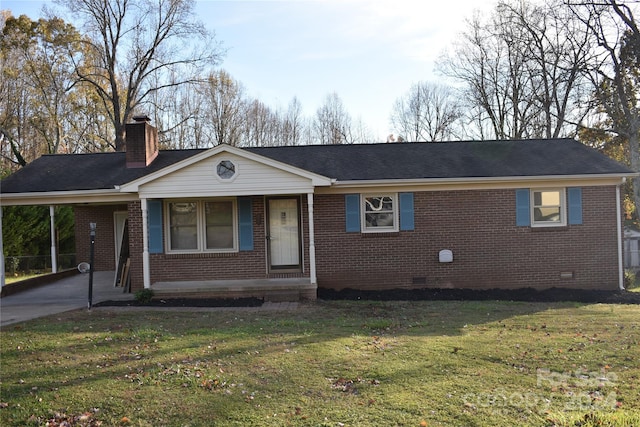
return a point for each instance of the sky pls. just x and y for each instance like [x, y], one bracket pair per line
[369, 52]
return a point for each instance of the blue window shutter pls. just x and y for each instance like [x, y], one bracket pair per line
[245, 224]
[574, 195]
[406, 211]
[154, 226]
[352, 208]
[523, 211]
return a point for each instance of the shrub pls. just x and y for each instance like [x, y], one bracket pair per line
[630, 281]
[144, 296]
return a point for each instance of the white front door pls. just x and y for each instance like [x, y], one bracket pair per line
[284, 233]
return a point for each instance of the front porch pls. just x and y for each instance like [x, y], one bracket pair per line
[273, 289]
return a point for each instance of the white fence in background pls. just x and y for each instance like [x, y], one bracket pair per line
[632, 252]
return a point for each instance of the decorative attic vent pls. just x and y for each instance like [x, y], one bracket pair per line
[141, 142]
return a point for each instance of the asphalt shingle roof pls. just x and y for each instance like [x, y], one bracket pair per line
[480, 159]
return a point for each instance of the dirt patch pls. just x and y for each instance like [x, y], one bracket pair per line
[525, 294]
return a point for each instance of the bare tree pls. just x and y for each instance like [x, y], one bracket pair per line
[261, 125]
[427, 112]
[523, 70]
[292, 125]
[178, 115]
[332, 124]
[225, 108]
[616, 76]
[133, 40]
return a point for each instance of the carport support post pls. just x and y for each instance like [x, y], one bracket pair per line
[312, 241]
[54, 257]
[146, 272]
[92, 234]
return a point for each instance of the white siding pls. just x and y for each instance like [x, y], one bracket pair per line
[201, 180]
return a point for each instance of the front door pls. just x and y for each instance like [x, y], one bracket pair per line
[284, 233]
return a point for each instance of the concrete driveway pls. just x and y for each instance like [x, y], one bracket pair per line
[57, 297]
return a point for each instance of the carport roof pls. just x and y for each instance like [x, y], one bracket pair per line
[358, 162]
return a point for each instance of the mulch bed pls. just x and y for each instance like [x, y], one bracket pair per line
[525, 294]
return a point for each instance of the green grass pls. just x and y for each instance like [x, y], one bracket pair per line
[328, 364]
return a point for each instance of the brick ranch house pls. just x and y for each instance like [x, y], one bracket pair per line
[281, 222]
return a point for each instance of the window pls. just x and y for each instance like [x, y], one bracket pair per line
[548, 207]
[183, 226]
[202, 226]
[226, 169]
[380, 212]
[219, 225]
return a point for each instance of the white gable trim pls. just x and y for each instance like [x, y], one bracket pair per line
[316, 180]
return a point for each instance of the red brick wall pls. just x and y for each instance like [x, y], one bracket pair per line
[104, 249]
[488, 249]
[188, 267]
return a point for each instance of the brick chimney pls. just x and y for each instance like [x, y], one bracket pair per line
[141, 142]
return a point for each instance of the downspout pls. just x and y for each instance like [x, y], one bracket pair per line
[54, 256]
[312, 241]
[146, 273]
[2, 278]
[619, 230]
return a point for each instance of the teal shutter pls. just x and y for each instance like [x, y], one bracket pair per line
[523, 211]
[154, 226]
[352, 208]
[406, 211]
[574, 204]
[245, 224]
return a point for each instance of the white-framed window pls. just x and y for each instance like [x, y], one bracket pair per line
[548, 207]
[379, 212]
[226, 170]
[201, 225]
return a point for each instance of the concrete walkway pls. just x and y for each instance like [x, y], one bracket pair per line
[72, 294]
[57, 297]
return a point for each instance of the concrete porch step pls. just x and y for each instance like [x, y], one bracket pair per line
[275, 290]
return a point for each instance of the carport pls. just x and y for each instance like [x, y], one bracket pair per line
[59, 296]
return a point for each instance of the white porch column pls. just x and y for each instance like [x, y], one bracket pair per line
[312, 241]
[146, 273]
[2, 279]
[54, 257]
[619, 230]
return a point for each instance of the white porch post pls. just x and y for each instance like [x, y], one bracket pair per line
[312, 241]
[2, 279]
[146, 273]
[54, 257]
[619, 227]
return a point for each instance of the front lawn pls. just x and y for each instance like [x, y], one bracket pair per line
[332, 363]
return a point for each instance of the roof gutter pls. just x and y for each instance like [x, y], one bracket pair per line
[496, 182]
[65, 197]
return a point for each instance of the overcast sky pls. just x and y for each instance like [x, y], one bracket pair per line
[368, 52]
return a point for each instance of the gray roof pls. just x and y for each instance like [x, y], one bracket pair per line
[397, 161]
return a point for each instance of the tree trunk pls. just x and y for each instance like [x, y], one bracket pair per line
[121, 142]
[634, 153]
